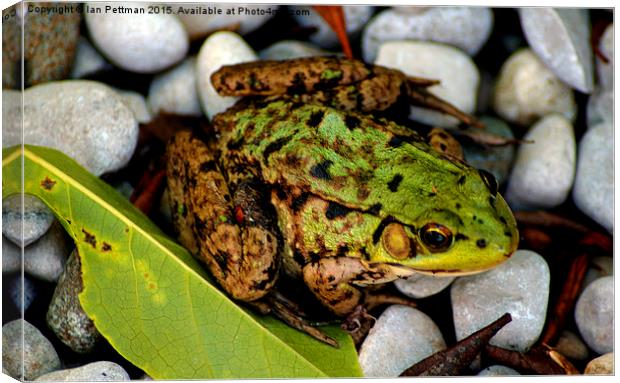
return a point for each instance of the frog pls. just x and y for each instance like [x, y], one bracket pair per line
[303, 178]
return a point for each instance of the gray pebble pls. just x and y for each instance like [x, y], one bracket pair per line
[519, 286]
[571, 346]
[600, 107]
[498, 370]
[543, 172]
[96, 371]
[46, 258]
[355, 17]
[599, 267]
[39, 355]
[137, 104]
[11, 257]
[605, 70]
[561, 38]
[88, 60]
[65, 315]
[401, 337]
[603, 365]
[175, 92]
[38, 218]
[594, 315]
[30, 292]
[290, 49]
[593, 192]
[422, 286]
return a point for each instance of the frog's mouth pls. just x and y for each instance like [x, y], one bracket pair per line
[406, 271]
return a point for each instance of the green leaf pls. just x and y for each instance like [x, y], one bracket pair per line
[151, 300]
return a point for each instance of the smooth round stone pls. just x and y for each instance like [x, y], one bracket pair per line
[96, 371]
[571, 346]
[561, 38]
[543, 172]
[175, 92]
[200, 25]
[603, 365]
[605, 70]
[65, 315]
[143, 43]
[27, 349]
[600, 107]
[45, 259]
[467, 28]
[137, 104]
[49, 41]
[221, 48]
[519, 286]
[495, 159]
[526, 90]
[290, 49]
[593, 192]
[498, 370]
[422, 286]
[37, 219]
[11, 257]
[599, 267]
[594, 315]
[355, 18]
[401, 337]
[22, 292]
[88, 60]
[85, 120]
[457, 72]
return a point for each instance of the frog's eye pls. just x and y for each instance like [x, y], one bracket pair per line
[437, 237]
[489, 181]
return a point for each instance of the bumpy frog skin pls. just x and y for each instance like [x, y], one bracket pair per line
[339, 198]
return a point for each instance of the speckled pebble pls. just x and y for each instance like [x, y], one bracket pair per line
[355, 17]
[593, 192]
[560, 37]
[422, 286]
[571, 346]
[65, 315]
[498, 370]
[605, 70]
[96, 371]
[39, 354]
[519, 286]
[11, 257]
[46, 258]
[143, 43]
[600, 107]
[137, 104]
[290, 49]
[200, 25]
[22, 301]
[37, 219]
[603, 365]
[88, 60]
[457, 72]
[526, 90]
[543, 172]
[221, 48]
[175, 92]
[594, 315]
[467, 28]
[401, 337]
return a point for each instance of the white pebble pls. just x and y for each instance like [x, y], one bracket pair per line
[137, 104]
[543, 172]
[422, 286]
[467, 28]
[561, 39]
[87, 60]
[593, 192]
[143, 43]
[200, 24]
[96, 371]
[605, 70]
[457, 72]
[526, 90]
[221, 48]
[498, 370]
[603, 365]
[290, 49]
[600, 107]
[519, 286]
[175, 91]
[401, 337]
[355, 18]
[594, 315]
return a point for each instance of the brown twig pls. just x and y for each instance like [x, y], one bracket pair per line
[457, 358]
[334, 16]
[540, 359]
[148, 191]
[550, 220]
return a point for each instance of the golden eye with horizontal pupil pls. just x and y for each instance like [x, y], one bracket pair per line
[395, 241]
[437, 237]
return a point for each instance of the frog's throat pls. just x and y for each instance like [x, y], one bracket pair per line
[404, 271]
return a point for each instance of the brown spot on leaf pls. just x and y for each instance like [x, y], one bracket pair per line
[106, 246]
[47, 183]
[90, 239]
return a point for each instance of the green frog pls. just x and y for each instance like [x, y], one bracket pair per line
[304, 179]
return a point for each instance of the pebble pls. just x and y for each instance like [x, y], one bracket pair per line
[50, 41]
[39, 355]
[65, 315]
[11, 256]
[599, 267]
[97, 371]
[543, 172]
[355, 18]
[290, 49]
[88, 60]
[37, 219]
[600, 107]
[30, 292]
[495, 159]
[594, 315]
[86, 120]
[605, 70]
[422, 286]
[466, 28]
[221, 48]
[45, 259]
[560, 37]
[603, 365]
[175, 92]
[401, 337]
[457, 72]
[137, 104]
[526, 90]
[143, 43]
[593, 192]
[571, 346]
[519, 286]
[200, 25]
[498, 370]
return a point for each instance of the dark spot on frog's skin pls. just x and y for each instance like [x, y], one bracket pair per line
[299, 201]
[239, 85]
[364, 253]
[503, 220]
[351, 122]
[220, 258]
[297, 84]
[335, 210]
[292, 160]
[90, 239]
[379, 230]
[359, 100]
[200, 226]
[508, 234]
[375, 209]
[461, 180]
[281, 194]
[395, 182]
[492, 201]
[443, 147]
[348, 294]
[316, 118]
[342, 251]
[481, 243]
[321, 170]
[460, 237]
[396, 141]
[106, 246]
[432, 194]
[208, 166]
[480, 221]
[314, 257]
[458, 205]
[47, 183]
[331, 278]
[489, 180]
[299, 258]
[235, 144]
[275, 146]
